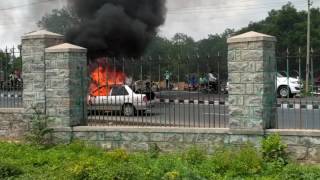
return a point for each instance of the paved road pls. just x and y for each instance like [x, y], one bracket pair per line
[191, 95]
[194, 115]
[208, 116]
[164, 114]
[195, 95]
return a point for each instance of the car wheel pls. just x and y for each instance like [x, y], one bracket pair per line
[128, 110]
[284, 92]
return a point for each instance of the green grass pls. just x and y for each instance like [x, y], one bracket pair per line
[81, 161]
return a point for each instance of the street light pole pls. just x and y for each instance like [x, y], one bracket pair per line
[308, 49]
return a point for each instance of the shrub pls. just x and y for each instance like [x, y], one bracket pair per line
[7, 171]
[118, 155]
[39, 133]
[172, 175]
[246, 162]
[82, 169]
[195, 155]
[83, 161]
[154, 151]
[298, 172]
[273, 150]
[220, 162]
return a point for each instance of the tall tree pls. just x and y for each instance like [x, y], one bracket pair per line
[290, 27]
[59, 20]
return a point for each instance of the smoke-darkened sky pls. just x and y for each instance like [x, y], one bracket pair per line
[197, 18]
[116, 27]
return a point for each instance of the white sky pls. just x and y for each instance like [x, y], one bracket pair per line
[197, 18]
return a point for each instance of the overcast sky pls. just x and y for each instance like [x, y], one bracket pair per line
[197, 18]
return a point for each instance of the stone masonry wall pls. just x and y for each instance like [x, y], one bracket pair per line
[33, 68]
[302, 146]
[251, 70]
[66, 86]
[12, 124]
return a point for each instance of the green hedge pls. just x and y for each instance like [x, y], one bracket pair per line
[81, 161]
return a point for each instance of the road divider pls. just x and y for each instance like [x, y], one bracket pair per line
[299, 106]
[10, 95]
[222, 103]
[187, 101]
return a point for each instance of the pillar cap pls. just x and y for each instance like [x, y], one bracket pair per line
[251, 36]
[41, 34]
[66, 47]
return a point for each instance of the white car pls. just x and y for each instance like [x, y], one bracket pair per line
[288, 87]
[121, 98]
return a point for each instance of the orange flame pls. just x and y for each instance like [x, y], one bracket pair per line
[103, 76]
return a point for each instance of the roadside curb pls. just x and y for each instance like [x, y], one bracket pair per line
[222, 103]
[187, 101]
[299, 106]
[10, 96]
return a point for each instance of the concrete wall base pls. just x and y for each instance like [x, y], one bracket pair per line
[12, 124]
[303, 145]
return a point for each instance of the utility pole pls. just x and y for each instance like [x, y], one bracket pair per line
[308, 49]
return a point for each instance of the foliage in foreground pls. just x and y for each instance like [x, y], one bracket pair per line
[81, 161]
[40, 133]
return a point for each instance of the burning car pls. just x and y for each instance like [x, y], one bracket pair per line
[121, 98]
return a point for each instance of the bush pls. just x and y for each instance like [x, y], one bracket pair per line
[40, 133]
[298, 172]
[195, 155]
[246, 162]
[7, 171]
[172, 175]
[273, 150]
[221, 161]
[118, 155]
[154, 151]
[84, 161]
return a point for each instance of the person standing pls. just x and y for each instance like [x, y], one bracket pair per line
[167, 76]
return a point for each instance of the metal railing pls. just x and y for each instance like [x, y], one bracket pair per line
[11, 83]
[179, 92]
[296, 107]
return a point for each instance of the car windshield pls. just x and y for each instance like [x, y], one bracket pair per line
[281, 74]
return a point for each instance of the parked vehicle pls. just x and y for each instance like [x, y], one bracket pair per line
[288, 86]
[123, 99]
[317, 85]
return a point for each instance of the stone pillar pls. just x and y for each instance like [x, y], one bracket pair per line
[66, 87]
[33, 71]
[251, 70]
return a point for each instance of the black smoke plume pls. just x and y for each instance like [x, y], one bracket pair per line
[116, 27]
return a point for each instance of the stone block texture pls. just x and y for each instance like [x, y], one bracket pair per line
[301, 147]
[251, 69]
[12, 123]
[33, 67]
[66, 88]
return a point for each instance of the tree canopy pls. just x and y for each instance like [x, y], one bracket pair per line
[287, 24]
[290, 27]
